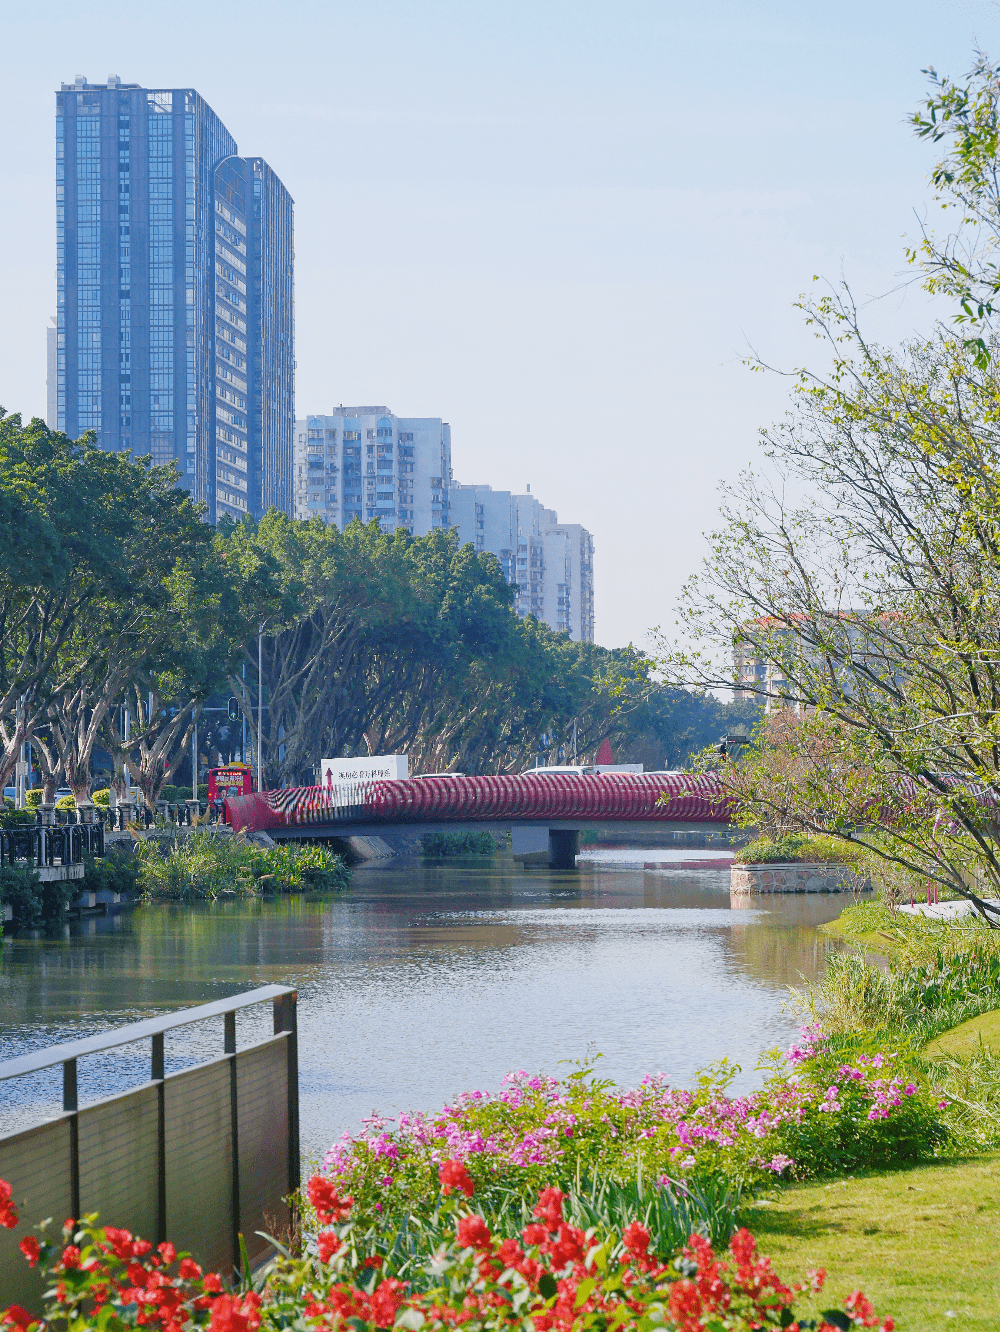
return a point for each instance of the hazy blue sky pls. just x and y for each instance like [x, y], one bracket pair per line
[557, 225]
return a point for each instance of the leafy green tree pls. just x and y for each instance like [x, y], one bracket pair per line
[56, 493]
[876, 598]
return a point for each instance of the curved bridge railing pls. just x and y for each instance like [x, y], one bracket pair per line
[605, 797]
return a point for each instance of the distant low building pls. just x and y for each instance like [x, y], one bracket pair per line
[551, 563]
[366, 463]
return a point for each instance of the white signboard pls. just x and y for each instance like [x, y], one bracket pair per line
[374, 768]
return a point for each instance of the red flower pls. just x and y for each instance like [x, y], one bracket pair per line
[534, 1234]
[189, 1270]
[70, 1257]
[861, 1309]
[568, 1248]
[453, 1175]
[120, 1242]
[167, 1252]
[742, 1246]
[232, 1314]
[549, 1207]
[636, 1239]
[374, 1260]
[685, 1305]
[29, 1247]
[8, 1212]
[15, 1316]
[329, 1205]
[510, 1252]
[386, 1300]
[212, 1282]
[474, 1233]
[328, 1245]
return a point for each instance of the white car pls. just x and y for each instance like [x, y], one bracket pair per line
[568, 770]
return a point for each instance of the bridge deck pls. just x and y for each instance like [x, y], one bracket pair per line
[603, 827]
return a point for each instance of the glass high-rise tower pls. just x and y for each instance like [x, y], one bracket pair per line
[175, 321]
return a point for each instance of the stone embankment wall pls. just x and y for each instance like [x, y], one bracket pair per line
[794, 877]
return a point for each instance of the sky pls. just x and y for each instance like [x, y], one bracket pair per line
[561, 226]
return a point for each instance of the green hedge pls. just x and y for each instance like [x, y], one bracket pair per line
[16, 818]
[439, 845]
[796, 847]
[36, 905]
[178, 794]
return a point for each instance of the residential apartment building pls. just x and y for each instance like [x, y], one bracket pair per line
[825, 649]
[175, 323]
[550, 563]
[367, 463]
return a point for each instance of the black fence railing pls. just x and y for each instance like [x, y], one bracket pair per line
[45, 845]
[200, 1157]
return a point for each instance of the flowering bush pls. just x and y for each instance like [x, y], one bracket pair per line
[106, 1277]
[552, 1278]
[814, 1114]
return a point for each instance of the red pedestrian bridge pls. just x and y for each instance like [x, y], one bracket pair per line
[546, 813]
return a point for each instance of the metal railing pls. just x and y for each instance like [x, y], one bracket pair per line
[45, 845]
[199, 1157]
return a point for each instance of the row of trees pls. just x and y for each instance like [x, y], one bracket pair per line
[876, 593]
[116, 595]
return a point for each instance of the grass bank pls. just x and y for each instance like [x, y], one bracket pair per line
[922, 1242]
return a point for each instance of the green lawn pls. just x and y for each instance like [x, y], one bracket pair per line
[923, 1243]
[968, 1038]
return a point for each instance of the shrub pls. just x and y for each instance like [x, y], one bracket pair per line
[554, 1275]
[20, 887]
[437, 846]
[816, 1113]
[66, 802]
[794, 847]
[36, 904]
[117, 871]
[939, 975]
[17, 818]
[206, 865]
[33, 798]
[102, 797]
[177, 795]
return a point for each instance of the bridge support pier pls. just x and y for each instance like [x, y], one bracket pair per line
[564, 843]
[556, 847]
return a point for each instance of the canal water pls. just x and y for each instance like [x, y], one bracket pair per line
[427, 979]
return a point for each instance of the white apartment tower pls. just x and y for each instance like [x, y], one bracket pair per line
[550, 563]
[366, 462]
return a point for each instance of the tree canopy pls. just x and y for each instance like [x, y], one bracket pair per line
[117, 598]
[875, 596]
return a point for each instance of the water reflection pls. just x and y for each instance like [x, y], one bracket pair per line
[424, 980]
